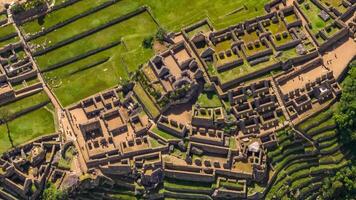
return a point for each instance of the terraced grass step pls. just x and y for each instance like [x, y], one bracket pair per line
[328, 167]
[60, 15]
[324, 136]
[313, 196]
[315, 121]
[328, 143]
[26, 103]
[186, 195]
[176, 185]
[330, 149]
[334, 158]
[302, 182]
[324, 126]
[309, 189]
[295, 150]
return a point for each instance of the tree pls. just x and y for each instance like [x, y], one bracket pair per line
[148, 42]
[4, 119]
[17, 8]
[52, 193]
[345, 116]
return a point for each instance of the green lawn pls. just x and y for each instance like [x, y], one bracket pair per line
[27, 127]
[26, 83]
[7, 30]
[146, 101]
[60, 15]
[9, 41]
[96, 76]
[154, 142]
[163, 134]
[174, 15]
[209, 99]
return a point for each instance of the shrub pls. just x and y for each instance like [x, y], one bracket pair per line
[161, 35]
[52, 193]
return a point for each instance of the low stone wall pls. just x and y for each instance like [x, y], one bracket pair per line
[230, 65]
[198, 24]
[266, 52]
[287, 45]
[348, 13]
[302, 58]
[189, 176]
[23, 95]
[343, 33]
[23, 77]
[9, 47]
[28, 145]
[9, 36]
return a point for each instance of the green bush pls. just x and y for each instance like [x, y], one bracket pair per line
[148, 42]
[52, 193]
[161, 35]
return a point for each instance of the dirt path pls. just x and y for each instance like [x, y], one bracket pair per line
[338, 58]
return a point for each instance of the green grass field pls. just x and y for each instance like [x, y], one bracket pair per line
[27, 127]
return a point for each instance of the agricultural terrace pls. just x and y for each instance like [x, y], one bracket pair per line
[307, 164]
[30, 117]
[8, 35]
[100, 59]
[103, 39]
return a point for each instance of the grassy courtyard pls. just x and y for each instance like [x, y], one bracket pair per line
[209, 99]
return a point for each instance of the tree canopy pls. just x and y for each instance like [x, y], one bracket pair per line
[346, 112]
[340, 186]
